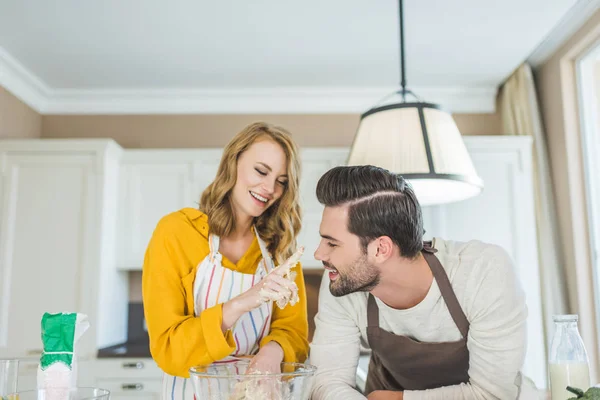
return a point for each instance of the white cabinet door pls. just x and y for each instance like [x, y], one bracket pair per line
[433, 221]
[57, 216]
[148, 193]
[205, 166]
[503, 214]
[315, 162]
[153, 184]
[45, 214]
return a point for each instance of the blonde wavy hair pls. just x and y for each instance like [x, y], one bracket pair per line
[279, 225]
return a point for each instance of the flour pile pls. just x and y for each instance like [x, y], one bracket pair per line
[258, 388]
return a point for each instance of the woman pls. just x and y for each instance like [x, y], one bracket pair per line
[204, 269]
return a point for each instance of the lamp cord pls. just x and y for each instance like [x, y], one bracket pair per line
[402, 68]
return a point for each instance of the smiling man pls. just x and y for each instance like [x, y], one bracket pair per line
[444, 320]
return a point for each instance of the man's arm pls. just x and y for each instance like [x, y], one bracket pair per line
[497, 335]
[335, 349]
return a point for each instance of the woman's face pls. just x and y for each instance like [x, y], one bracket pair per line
[261, 178]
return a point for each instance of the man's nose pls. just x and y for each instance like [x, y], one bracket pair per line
[318, 255]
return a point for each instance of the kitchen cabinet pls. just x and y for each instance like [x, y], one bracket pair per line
[315, 162]
[75, 215]
[155, 183]
[57, 208]
[129, 378]
[503, 214]
[125, 378]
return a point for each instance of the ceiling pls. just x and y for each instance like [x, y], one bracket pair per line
[116, 56]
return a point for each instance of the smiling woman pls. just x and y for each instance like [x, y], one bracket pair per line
[209, 275]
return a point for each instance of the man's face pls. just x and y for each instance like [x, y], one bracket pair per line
[343, 256]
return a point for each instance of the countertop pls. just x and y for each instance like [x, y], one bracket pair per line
[126, 350]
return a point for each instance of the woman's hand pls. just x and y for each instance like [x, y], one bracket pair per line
[267, 360]
[271, 287]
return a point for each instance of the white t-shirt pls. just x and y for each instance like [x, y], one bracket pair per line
[487, 288]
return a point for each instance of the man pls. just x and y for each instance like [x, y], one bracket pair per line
[444, 320]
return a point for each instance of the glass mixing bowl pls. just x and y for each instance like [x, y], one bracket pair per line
[230, 381]
[80, 393]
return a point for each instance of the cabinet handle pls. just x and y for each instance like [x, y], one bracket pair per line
[133, 365]
[34, 352]
[132, 386]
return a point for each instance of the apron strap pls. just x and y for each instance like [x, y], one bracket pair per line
[439, 273]
[213, 246]
[372, 312]
[267, 260]
[441, 277]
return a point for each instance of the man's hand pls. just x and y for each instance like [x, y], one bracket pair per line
[385, 395]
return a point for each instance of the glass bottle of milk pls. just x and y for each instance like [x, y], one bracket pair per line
[568, 361]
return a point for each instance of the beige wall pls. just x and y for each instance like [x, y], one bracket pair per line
[135, 286]
[556, 82]
[156, 131]
[17, 120]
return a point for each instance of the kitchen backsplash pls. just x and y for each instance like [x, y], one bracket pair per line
[135, 286]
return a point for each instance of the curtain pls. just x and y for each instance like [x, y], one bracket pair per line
[520, 114]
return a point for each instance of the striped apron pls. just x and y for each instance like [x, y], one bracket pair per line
[215, 284]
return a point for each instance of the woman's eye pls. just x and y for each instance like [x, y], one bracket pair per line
[331, 244]
[263, 173]
[283, 183]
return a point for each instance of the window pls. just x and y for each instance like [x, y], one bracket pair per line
[588, 87]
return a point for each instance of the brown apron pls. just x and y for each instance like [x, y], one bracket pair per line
[400, 363]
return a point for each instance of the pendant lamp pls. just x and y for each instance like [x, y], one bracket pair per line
[419, 141]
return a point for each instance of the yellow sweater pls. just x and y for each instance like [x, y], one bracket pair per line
[178, 339]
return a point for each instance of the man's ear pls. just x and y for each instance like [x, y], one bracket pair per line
[382, 248]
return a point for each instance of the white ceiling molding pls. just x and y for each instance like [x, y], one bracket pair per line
[23, 84]
[575, 18]
[256, 101]
[316, 100]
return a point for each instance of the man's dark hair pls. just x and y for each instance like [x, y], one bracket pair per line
[380, 202]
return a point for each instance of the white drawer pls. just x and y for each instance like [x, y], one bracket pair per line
[131, 385]
[124, 389]
[127, 368]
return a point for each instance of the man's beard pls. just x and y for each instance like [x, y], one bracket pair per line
[360, 276]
